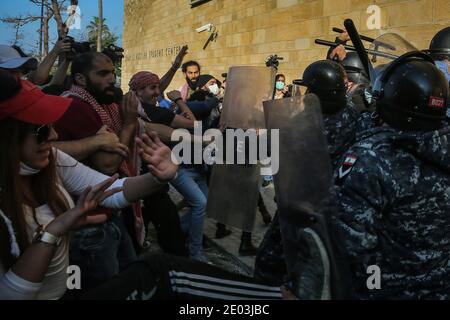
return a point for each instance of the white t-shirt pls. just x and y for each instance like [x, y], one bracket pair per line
[74, 179]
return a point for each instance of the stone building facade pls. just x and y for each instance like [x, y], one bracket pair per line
[251, 30]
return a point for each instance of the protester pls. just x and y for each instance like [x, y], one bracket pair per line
[83, 174]
[95, 104]
[281, 89]
[35, 187]
[191, 71]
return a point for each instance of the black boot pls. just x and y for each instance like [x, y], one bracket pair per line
[247, 249]
[222, 231]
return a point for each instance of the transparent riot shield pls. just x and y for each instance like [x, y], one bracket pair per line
[233, 195]
[247, 88]
[303, 187]
[386, 48]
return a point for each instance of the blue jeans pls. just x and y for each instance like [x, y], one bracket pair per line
[101, 252]
[193, 187]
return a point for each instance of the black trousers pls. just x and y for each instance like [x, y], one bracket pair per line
[163, 213]
[164, 277]
[160, 210]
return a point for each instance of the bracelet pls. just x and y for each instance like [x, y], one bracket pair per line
[177, 99]
[47, 238]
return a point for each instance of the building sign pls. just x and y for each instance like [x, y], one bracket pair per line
[154, 54]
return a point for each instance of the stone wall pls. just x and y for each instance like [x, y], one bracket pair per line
[251, 30]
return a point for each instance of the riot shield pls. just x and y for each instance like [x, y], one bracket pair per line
[303, 146]
[233, 195]
[296, 90]
[247, 88]
[393, 46]
[303, 189]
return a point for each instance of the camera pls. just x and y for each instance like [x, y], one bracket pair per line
[78, 47]
[114, 52]
[206, 27]
[273, 61]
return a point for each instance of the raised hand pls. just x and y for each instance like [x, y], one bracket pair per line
[339, 52]
[344, 37]
[62, 47]
[78, 217]
[130, 108]
[180, 57]
[174, 95]
[158, 157]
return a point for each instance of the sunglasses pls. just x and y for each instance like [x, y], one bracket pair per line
[42, 133]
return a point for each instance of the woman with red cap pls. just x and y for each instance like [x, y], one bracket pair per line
[37, 213]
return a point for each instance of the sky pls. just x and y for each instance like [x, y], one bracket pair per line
[112, 11]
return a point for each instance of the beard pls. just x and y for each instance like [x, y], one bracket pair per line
[192, 83]
[107, 96]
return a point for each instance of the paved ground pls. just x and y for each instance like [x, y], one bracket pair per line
[224, 252]
[231, 243]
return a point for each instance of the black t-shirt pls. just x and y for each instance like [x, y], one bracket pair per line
[159, 115]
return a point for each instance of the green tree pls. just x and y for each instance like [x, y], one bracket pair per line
[92, 31]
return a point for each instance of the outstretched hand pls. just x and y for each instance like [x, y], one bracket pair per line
[157, 156]
[79, 217]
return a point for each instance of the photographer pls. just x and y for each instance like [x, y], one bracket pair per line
[282, 90]
[41, 75]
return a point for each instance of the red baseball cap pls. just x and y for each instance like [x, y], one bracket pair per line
[31, 105]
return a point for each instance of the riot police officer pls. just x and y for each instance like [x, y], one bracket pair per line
[394, 188]
[440, 51]
[342, 122]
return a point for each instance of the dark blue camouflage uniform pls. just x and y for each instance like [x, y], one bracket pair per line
[395, 213]
[341, 129]
[362, 99]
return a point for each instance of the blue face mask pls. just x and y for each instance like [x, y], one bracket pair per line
[443, 66]
[280, 85]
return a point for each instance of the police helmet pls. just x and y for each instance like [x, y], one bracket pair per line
[325, 78]
[440, 45]
[355, 69]
[411, 93]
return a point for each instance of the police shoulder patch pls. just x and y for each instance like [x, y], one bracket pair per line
[346, 167]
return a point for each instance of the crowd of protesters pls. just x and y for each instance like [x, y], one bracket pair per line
[85, 168]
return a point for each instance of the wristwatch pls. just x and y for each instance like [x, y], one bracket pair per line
[43, 236]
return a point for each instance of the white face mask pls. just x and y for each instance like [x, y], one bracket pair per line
[27, 171]
[214, 89]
